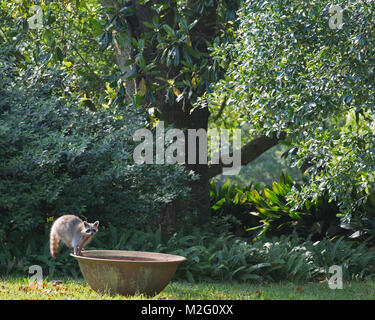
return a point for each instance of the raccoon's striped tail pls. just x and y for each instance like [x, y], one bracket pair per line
[54, 244]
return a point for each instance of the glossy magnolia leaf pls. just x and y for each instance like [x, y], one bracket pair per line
[169, 30]
[105, 40]
[59, 54]
[176, 60]
[142, 87]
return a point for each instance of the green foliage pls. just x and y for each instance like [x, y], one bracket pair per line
[231, 203]
[289, 72]
[17, 254]
[355, 260]
[66, 39]
[18, 288]
[267, 211]
[213, 254]
[265, 169]
[93, 42]
[317, 218]
[59, 158]
[287, 258]
[364, 221]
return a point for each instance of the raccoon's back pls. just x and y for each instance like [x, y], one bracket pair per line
[64, 229]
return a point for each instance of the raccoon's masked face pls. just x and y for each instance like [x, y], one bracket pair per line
[91, 228]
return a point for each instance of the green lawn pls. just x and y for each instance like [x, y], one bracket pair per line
[19, 288]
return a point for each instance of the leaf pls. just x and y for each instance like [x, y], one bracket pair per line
[142, 87]
[106, 40]
[49, 37]
[33, 286]
[289, 179]
[141, 44]
[155, 20]
[271, 196]
[189, 276]
[251, 277]
[236, 199]
[158, 237]
[176, 60]
[67, 64]
[267, 213]
[176, 91]
[195, 81]
[238, 270]
[169, 30]
[279, 189]
[59, 54]
[258, 266]
[149, 25]
[218, 204]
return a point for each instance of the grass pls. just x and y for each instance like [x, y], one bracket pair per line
[19, 289]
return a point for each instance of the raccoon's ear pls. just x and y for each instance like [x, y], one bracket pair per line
[85, 224]
[96, 224]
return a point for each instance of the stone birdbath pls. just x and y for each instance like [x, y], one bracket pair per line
[127, 272]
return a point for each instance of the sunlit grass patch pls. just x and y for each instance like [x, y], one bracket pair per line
[69, 289]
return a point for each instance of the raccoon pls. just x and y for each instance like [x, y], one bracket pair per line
[73, 232]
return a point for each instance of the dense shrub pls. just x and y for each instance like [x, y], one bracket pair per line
[213, 253]
[58, 158]
[229, 202]
[227, 257]
[266, 210]
[364, 220]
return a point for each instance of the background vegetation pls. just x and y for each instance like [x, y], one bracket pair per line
[69, 108]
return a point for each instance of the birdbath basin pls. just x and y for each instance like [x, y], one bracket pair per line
[127, 272]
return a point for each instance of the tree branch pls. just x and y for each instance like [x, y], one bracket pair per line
[249, 152]
[222, 107]
[101, 81]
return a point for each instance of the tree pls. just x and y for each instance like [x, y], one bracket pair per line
[162, 53]
[296, 69]
[285, 72]
[173, 39]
